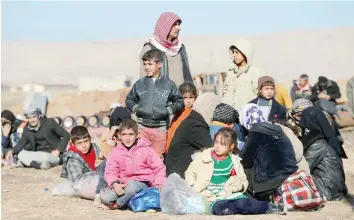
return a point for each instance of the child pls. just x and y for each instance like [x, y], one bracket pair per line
[132, 166]
[189, 93]
[154, 99]
[217, 174]
[108, 142]
[271, 109]
[81, 155]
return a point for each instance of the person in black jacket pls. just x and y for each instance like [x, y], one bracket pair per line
[270, 107]
[325, 89]
[268, 156]
[154, 99]
[42, 143]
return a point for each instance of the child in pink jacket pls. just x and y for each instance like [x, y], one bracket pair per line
[132, 166]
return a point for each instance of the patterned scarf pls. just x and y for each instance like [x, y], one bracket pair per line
[162, 30]
[298, 106]
[251, 114]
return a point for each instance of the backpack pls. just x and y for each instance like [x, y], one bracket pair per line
[350, 94]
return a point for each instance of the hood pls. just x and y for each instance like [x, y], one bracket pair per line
[163, 27]
[205, 105]
[246, 48]
[267, 128]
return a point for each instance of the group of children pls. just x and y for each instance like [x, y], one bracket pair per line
[134, 155]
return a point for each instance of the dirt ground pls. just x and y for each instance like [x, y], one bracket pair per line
[26, 194]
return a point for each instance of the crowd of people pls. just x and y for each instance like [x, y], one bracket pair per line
[249, 152]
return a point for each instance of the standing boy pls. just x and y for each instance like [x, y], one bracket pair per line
[154, 99]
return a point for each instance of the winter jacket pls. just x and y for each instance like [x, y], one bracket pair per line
[298, 92]
[313, 119]
[325, 165]
[241, 84]
[200, 171]
[298, 148]
[154, 101]
[55, 135]
[175, 68]
[192, 135]
[140, 163]
[277, 111]
[74, 166]
[268, 159]
[332, 90]
[282, 96]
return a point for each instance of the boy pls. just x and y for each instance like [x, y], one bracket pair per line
[154, 99]
[132, 166]
[271, 109]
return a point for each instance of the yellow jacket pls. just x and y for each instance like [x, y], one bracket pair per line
[283, 97]
[200, 171]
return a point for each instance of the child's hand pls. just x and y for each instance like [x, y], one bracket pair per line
[159, 187]
[119, 189]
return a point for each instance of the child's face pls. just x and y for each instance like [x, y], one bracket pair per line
[188, 99]
[221, 148]
[268, 92]
[83, 144]
[237, 57]
[152, 68]
[128, 137]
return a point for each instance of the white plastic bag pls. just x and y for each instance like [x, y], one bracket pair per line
[178, 198]
[64, 189]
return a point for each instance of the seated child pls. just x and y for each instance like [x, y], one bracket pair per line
[108, 142]
[81, 155]
[217, 174]
[189, 93]
[132, 166]
[270, 107]
[224, 116]
[154, 99]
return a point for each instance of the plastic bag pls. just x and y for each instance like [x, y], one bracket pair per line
[178, 198]
[146, 199]
[64, 189]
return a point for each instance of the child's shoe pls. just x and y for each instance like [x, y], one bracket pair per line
[97, 202]
[279, 209]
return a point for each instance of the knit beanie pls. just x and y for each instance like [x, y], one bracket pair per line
[117, 116]
[225, 113]
[251, 114]
[205, 105]
[264, 79]
[8, 115]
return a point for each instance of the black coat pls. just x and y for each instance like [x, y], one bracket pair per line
[153, 102]
[325, 165]
[313, 119]
[277, 111]
[56, 136]
[332, 90]
[268, 158]
[192, 135]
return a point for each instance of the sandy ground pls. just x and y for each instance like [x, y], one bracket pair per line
[24, 195]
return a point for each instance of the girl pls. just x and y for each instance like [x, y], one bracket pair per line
[217, 174]
[189, 93]
[132, 166]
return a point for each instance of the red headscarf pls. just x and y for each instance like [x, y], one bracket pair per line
[163, 28]
[89, 157]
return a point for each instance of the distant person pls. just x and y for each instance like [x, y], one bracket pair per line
[189, 93]
[301, 89]
[154, 99]
[9, 136]
[282, 96]
[271, 109]
[325, 89]
[42, 143]
[241, 80]
[166, 40]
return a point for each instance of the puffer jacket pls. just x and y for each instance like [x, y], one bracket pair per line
[241, 84]
[154, 101]
[268, 158]
[325, 165]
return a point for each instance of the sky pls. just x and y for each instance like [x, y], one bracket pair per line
[110, 20]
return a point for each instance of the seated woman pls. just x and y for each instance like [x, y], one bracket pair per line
[268, 156]
[217, 174]
[192, 134]
[321, 150]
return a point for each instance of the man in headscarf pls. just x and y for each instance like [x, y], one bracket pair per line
[325, 89]
[42, 143]
[165, 39]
